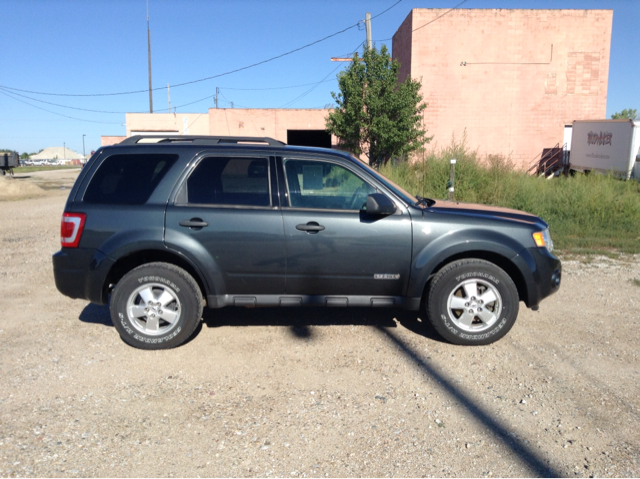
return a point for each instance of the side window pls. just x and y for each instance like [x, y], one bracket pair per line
[127, 179]
[319, 184]
[230, 181]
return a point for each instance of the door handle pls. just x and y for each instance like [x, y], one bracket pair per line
[195, 223]
[311, 227]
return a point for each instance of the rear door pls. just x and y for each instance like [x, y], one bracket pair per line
[226, 217]
[333, 246]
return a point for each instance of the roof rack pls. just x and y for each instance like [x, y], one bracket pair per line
[199, 140]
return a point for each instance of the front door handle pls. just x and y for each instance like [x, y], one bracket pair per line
[195, 223]
[311, 227]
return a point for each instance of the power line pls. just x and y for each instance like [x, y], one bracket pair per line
[429, 23]
[207, 78]
[59, 114]
[252, 89]
[321, 81]
[64, 106]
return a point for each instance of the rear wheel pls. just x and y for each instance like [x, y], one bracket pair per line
[472, 301]
[156, 306]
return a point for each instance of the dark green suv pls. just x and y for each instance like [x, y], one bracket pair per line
[158, 227]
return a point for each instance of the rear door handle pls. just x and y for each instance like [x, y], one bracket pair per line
[195, 223]
[311, 227]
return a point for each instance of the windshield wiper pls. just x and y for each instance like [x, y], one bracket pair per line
[428, 202]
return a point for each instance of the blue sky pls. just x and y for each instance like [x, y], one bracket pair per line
[73, 47]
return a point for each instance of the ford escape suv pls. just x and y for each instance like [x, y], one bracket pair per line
[160, 227]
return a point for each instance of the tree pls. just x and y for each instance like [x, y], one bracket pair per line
[24, 156]
[630, 114]
[375, 114]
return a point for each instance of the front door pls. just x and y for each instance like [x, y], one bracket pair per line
[333, 246]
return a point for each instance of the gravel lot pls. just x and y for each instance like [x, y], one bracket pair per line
[311, 392]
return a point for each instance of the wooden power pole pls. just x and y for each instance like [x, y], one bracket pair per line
[149, 49]
[367, 23]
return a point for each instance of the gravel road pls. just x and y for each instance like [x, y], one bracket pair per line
[312, 392]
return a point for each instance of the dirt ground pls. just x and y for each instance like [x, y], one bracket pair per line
[311, 392]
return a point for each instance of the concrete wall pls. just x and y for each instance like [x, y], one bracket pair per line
[111, 140]
[182, 123]
[514, 95]
[272, 123]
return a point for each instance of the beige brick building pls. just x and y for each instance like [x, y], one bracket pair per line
[510, 78]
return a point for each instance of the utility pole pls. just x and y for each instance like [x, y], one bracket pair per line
[149, 48]
[367, 23]
[84, 155]
[169, 96]
[216, 97]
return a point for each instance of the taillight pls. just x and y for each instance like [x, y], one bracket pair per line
[71, 229]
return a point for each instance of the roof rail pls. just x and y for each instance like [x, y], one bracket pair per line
[198, 140]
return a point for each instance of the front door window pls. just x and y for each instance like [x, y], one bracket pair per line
[323, 185]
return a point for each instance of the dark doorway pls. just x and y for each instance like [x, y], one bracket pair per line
[309, 138]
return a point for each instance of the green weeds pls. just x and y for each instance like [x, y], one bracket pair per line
[585, 213]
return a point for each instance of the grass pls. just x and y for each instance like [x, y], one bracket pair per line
[31, 169]
[586, 214]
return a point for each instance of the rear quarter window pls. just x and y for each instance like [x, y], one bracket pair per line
[128, 179]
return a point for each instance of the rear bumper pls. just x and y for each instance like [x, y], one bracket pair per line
[81, 273]
[545, 274]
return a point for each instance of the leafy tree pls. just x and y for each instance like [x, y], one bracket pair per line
[630, 114]
[24, 156]
[375, 114]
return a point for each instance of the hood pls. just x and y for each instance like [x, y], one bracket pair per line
[485, 211]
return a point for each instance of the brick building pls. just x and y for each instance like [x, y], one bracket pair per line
[292, 126]
[510, 78]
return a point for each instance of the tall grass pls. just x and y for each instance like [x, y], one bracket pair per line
[585, 213]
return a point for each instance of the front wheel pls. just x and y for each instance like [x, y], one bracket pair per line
[472, 302]
[156, 306]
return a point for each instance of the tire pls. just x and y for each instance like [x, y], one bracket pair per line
[156, 306]
[472, 302]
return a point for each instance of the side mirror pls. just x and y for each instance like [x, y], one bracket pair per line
[379, 204]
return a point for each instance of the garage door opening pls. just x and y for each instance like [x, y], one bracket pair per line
[309, 138]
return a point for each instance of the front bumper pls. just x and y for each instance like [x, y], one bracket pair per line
[545, 274]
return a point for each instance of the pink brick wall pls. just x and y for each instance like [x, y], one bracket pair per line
[513, 97]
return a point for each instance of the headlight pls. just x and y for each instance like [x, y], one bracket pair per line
[543, 239]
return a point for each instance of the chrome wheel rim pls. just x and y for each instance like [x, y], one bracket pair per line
[154, 309]
[474, 305]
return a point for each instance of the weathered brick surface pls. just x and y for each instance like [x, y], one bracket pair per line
[527, 74]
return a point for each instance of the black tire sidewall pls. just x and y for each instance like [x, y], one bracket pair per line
[449, 278]
[174, 278]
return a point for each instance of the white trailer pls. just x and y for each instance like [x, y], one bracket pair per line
[606, 146]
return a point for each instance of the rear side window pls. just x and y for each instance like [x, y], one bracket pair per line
[127, 179]
[230, 181]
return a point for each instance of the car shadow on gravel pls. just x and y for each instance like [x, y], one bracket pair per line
[96, 314]
[298, 320]
[516, 443]
[301, 320]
